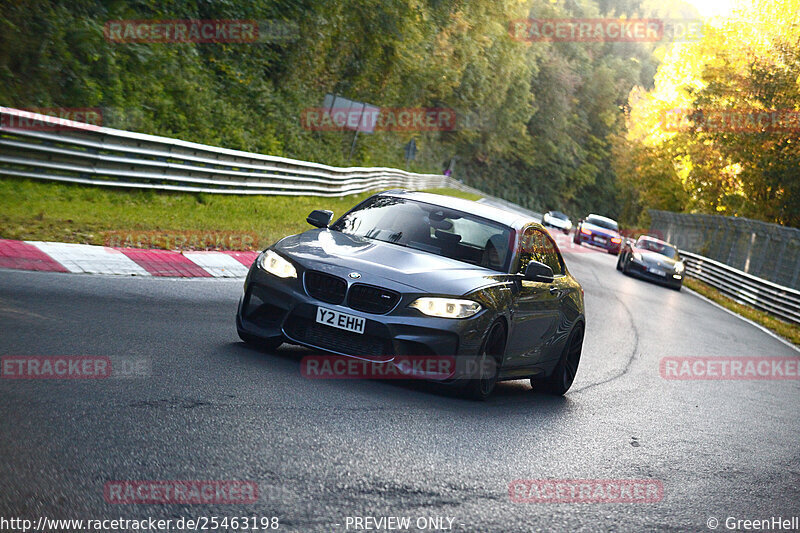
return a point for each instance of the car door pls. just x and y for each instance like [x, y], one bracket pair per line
[536, 311]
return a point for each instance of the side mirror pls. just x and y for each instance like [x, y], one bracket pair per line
[320, 218]
[536, 271]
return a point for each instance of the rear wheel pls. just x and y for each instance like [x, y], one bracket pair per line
[577, 237]
[559, 382]
[488, 364]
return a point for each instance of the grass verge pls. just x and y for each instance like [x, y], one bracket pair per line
[63, 212]
[788, 331]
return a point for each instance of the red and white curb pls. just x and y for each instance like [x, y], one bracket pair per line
[88, 259]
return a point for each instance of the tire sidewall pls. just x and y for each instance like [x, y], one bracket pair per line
[475, 388]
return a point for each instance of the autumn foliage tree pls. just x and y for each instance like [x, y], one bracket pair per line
[736, 148]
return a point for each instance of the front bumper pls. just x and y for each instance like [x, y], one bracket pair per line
[565, 229]
[601, 241]
[281, 308]
[641, 270]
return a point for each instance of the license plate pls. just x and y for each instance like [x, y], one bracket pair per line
[657, 272]
[600, 240]
[329, 317]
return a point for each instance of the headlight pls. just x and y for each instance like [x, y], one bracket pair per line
[276, 265]
[446, 307]
[679, 267]
[637, 256]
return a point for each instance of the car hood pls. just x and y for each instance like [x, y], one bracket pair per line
[416, 269]
[656, 259]
[558, 222]
[600, 230]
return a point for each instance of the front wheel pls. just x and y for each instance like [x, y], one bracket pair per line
[488, 364]
[559, 382]
[619, 262]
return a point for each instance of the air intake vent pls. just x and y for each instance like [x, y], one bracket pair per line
[325, 287]
[372, 299]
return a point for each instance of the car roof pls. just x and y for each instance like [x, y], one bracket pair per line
[601, 217]
[507, 217]
[659, 241]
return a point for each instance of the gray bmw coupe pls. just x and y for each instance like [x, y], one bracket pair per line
[418, 274]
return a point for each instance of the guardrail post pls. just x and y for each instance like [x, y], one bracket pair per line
[718, 237]
[779, 260]
[749, 252]
[763, 256]
[734, 239]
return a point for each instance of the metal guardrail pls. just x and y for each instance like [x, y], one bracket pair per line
[745, 288]
[75, 152]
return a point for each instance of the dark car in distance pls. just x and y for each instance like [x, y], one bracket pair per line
[652, 259]
[598, 231]
[411, 273]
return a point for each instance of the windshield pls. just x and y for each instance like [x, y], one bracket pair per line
[559, 214]
[603, 223]
[657, 247]
[438, 230]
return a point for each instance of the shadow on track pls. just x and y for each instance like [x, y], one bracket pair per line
[507, 394]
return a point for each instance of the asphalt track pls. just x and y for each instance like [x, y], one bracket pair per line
[208, 407]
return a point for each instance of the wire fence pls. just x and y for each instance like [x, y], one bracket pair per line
[767, 251]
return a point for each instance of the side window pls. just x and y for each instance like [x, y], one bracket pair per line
[538, 246]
